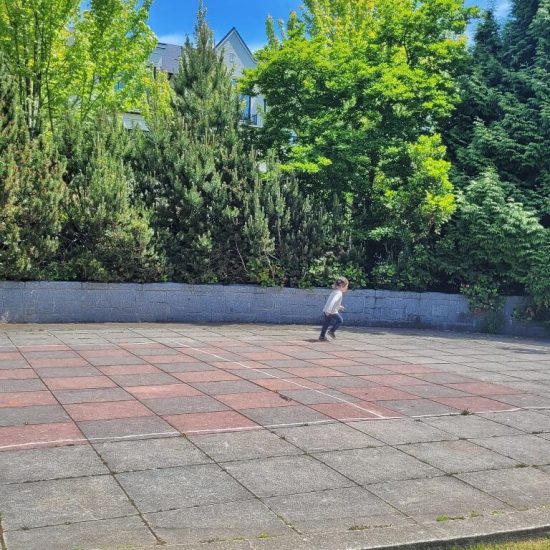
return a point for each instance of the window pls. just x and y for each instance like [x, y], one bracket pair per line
[247, 111]
[232, 58]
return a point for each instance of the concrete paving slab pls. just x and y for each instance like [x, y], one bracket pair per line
[181, 487]
[55, 502]
[378, 464]
[471, 426]
[38, 414]
[285, 475]
[189, 483]
[249, 519]
[436, 499]
[47, 464]
[146, 454]
[458, 456]
[244, 445]
[402, 431]
[519, 487]
[527, 449]
[346, 509]
[108, 534]
[327, 437]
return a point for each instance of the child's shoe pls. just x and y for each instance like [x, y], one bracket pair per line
[332, 334]
[322, 339]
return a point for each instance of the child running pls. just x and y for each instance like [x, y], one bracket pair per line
[332, 309]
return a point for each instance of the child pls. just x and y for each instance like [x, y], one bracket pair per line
[333, 307]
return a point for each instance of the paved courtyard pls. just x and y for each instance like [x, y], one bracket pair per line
[247, 436]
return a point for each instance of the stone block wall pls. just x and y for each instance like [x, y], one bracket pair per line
[76, 302]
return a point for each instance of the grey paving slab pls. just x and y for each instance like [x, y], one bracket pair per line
[198, 366]
[280, 416]
[181, 487]
[327, 437]
[401, 431]
[244, 445]
[8, 364]
[67, 397]
[244, 519]
[377, 464]
[527, 421]
[104, 361]
[226, 387]
[285, 475]
[346, 509]
[129, 380]
[37, 414]
[126, 428]
[46, 503]
[108, 534]
[30, 384]
[471, 426]
[418, 407]
[527, 449]
[438, 497]
[519, 487]
[46, 464]
[458, 456]
[525, 400]
[62, 372]
[145, 454]
[312, 397]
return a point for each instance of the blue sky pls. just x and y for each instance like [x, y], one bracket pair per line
[171, 20]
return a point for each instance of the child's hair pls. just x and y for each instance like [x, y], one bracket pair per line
[340, 282]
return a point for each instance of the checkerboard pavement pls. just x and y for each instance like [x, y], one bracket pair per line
[140, 434]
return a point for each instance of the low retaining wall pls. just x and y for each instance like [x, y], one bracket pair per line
[74, 302]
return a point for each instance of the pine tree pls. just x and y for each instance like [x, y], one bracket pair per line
[503, 120]
[106, 234]
[31, 190]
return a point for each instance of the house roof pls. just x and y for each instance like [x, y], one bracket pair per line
[240, 38]
[167, 56]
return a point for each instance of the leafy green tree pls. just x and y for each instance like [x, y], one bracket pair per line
[64, 55]
[356, 94]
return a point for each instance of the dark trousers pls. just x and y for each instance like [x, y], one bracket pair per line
[334, 319]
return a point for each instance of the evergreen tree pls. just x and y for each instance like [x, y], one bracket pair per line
[193, 167]
[106, 234]
[503, 119]
[31, 189]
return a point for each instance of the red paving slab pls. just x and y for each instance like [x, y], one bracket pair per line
[295, 365]
[381, 393]
[129, 369]
[168, 390]
[107, 410]
[79, 382]
[40, 435]
[254, 400]
[26, 399]
[17, 374]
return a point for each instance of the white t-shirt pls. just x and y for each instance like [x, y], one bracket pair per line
[333, 302]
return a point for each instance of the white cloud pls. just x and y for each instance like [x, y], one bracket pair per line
[172, 38]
